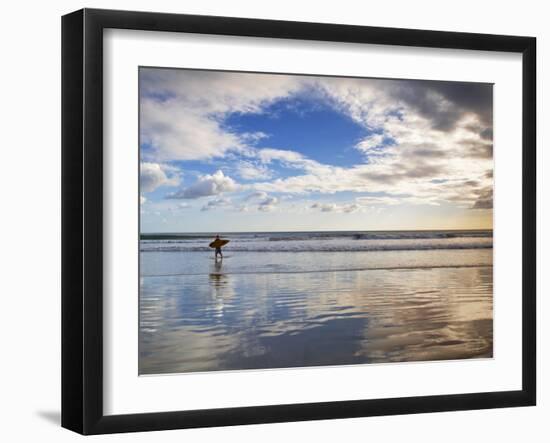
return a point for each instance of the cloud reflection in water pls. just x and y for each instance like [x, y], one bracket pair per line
[229, 322]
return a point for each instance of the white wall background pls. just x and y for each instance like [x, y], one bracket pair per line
[30, 220]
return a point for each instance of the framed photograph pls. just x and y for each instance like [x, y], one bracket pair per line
[269, 221]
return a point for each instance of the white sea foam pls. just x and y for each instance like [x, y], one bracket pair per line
[323, 241]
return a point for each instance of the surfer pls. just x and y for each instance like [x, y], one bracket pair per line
[218, 249]
[217, 244]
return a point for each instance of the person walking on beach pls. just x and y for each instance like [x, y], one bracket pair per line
[218, 249]
[217, 244]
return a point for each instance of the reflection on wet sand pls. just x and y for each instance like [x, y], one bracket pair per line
[233, 321]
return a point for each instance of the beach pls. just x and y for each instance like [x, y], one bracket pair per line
[282, 300]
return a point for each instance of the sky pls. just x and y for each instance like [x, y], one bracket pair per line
[234, 152]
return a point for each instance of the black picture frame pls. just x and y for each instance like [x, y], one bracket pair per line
[82, 219]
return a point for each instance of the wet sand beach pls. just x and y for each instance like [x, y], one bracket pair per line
[297, 309]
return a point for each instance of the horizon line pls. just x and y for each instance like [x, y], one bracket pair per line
[323, 230]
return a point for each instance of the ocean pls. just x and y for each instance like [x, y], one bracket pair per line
[296, 299]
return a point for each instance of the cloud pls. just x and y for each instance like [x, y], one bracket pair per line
[371, 144]
[401, 172]
[424, 138]
[175, 132]
[142, 199]
[258, 195]
[250, 171]
[351, 208]
[324, 207]
[254, 137]
[291, 159]
[485, 199]
[445, 103]
[155, 175]
[263, 201]
[486, 134]
[333, 207]
[216, 203]
[428, 151]
[395, 177]
[381, 200]
[182, 112]
[418, 161]
[467, 97]
[268, 155]
[207, 185]
[481, 150]
[415, 110]
[268, 204]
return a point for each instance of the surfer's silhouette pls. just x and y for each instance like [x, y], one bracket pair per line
[218, 250]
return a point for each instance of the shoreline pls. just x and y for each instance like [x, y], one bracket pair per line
[390, 268]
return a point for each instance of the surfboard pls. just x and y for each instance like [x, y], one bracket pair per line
[218, 243]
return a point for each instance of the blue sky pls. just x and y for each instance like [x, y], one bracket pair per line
[253, 152]
[309, 125]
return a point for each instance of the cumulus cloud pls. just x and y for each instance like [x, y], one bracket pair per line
[371, 144]
[410, 112]
[207, 185]
[155, 175]
[333, 207]
[182, 111]
[175, 132]
[420, 133]
[251, 171]
[445, 103]
[424, 139]
[442, 104]
[268, 204]
[392, 177]
[468, 97]
[290, 159]
[263, 201]
[482, 150]
[484, 200]
[324, 207]
[268, 155]
[216, 203]
[403, 172]
[417, 164]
